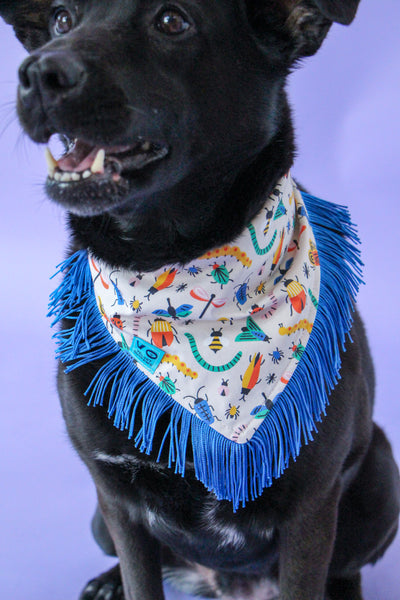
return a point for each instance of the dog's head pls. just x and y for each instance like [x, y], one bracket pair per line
[164, 105]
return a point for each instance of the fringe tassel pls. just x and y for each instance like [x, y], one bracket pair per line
[234, 472]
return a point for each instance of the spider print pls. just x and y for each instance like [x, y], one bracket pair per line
[306, 270]
[276, 356]
[232, 412]
[135, 304]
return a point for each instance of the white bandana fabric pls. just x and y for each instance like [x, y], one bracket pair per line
[223, 334]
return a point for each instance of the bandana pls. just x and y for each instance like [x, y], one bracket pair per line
[240, 346]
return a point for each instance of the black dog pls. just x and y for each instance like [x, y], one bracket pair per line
[187, 98]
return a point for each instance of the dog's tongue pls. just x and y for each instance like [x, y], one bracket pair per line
[80, 158]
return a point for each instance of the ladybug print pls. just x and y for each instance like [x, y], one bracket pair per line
[117, 322]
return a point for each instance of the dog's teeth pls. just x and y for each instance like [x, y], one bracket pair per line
[75, 176]
[51, 163]
[66, 177]
[98, 163]
[145, 146]
[57, 176]
[86, 174]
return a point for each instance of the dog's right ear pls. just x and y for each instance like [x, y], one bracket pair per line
[29, 19]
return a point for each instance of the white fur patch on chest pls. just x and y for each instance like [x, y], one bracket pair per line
[127, 461]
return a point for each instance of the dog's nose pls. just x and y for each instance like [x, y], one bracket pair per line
[53, 75]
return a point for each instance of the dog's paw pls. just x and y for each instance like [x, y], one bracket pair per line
[107, 586]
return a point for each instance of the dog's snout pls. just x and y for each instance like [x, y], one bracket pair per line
[51, 75]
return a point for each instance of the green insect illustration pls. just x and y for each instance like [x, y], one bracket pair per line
[167, 385]
[220, 274]
[298, 350]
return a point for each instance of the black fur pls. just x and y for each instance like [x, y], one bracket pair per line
[212, 101]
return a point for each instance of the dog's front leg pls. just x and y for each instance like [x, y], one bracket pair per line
[306, 545]
[138, 552]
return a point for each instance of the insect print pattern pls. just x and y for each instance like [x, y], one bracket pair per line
[162, 282]
[136, 305]
[119, 299]
[250, 377]
[232, 412]
[220, 274]
[232, 323]
[216, 344]
[223, 390]
[202, 407]
[262, 410]
[184, 310]
[193, 270]
[296, 294]
[297, 350]
[276, 355]
[117, 321]
[242, 293]
[167, 385]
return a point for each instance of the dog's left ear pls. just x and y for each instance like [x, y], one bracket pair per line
[298, 26]
[340, 11]
[29, 19]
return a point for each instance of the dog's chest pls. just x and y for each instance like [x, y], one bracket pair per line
[190, 524]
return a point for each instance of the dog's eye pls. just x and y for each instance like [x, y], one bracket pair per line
[172, 22]
[62, 21]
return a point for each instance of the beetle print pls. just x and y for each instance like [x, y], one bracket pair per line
[162, 333]
[296, 294]
[202, 407]
[221, 274]
[242, 293]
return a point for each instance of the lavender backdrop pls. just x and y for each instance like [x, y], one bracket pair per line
[346, 108]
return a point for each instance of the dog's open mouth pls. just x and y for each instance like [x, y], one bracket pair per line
[82, 161]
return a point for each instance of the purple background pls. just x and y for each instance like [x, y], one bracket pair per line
[346, 109]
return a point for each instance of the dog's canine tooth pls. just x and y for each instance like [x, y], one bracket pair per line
[51, 162]
[86, 174]
[98, 163]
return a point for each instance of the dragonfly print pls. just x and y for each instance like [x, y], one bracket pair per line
[199, 293]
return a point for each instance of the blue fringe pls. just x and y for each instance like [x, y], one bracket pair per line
[234, 472]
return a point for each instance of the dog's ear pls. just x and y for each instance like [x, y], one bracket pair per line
[29, 19]
[299, 26]
[340, 11]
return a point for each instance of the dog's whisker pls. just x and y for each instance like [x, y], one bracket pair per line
[23, 144]
[138, 110]
[7, 104]
[146, 113]
[10, 121]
